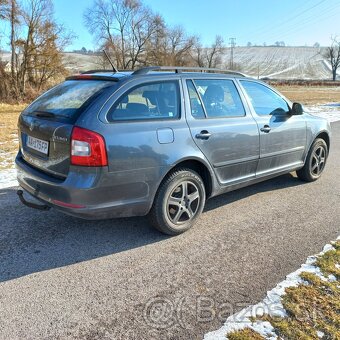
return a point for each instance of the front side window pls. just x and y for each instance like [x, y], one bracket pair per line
[264, 100]
[219, 96]
[158, 100]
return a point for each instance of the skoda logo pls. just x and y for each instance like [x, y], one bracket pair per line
[32, 126]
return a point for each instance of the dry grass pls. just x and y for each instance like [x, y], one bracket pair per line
[245, 334]
[309, 95]
[8, 134]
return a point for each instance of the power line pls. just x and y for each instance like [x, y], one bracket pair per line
[287, 20]
[312, 19]
[264, 28]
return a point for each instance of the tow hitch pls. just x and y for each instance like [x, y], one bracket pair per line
[20, 193]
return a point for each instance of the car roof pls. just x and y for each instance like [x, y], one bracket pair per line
[152, 71]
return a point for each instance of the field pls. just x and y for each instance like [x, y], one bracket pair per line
[309, 95]
[8, 134]
[281, 62]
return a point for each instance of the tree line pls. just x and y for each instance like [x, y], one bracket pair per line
[131, 33]
[36, 41]
[134, 36]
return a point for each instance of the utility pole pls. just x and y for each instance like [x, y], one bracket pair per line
[232, 43]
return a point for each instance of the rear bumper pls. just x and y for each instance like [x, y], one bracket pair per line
[97, 193]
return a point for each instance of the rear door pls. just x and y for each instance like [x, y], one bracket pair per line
[45, 127]
[144, 129]
[222, 128]
[282, 135]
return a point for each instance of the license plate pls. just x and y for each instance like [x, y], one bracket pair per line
[37, 144]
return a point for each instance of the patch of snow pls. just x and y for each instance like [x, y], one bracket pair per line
[327, 247]
[330, 112]
[262, 327]
[271, 304]
[331, 278]
[320, 334]
[8, 178]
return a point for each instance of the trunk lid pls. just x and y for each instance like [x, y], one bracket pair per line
[53, 157]
[45, 127]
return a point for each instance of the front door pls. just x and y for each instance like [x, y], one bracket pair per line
[282, 135]
[222, 128]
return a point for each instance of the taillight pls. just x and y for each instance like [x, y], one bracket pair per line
[87, 148]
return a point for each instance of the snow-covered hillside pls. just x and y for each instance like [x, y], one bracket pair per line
[281, 62]
[263, 62]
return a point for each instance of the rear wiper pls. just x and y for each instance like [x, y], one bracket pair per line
[44, 114]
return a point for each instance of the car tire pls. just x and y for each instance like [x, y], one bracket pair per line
[179, 202]
[315, 161]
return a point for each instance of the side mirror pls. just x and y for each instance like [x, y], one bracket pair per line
[297, 109]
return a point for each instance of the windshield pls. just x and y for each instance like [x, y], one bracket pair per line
[67, 99]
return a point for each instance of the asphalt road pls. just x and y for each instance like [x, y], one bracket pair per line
[63, 278]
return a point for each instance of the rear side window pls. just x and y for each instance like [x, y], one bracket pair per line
[219, 96]
[158, 100]
[264, 100]
[67, 99]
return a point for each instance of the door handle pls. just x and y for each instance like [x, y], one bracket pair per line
[265, 129]
[204, 134]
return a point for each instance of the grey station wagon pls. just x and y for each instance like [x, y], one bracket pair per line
[160, 141]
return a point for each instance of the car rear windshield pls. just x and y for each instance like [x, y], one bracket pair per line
[67, 99]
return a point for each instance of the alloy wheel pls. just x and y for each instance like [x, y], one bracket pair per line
[183, 202]
[318, 160]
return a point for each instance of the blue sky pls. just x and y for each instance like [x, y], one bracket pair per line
[297, 22]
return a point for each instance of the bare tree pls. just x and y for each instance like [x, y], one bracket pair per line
[156, 46]
[332, 55]
[35, 14]
[4, 83]
[4, 9]
[179, 47]
[13, 20]
[212, 56]
[215, 52]
[122, 27]
[133, 35]
[143, 27]
[36, 42]
[41, 45]
[9, 12]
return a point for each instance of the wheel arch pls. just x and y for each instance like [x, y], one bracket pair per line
[325, 136]
[201, 167]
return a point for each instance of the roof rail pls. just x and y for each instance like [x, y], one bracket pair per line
[179, 69]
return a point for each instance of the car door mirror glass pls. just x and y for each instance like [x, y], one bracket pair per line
[297, 109]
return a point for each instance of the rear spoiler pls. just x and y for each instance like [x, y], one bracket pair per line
[91, 77]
